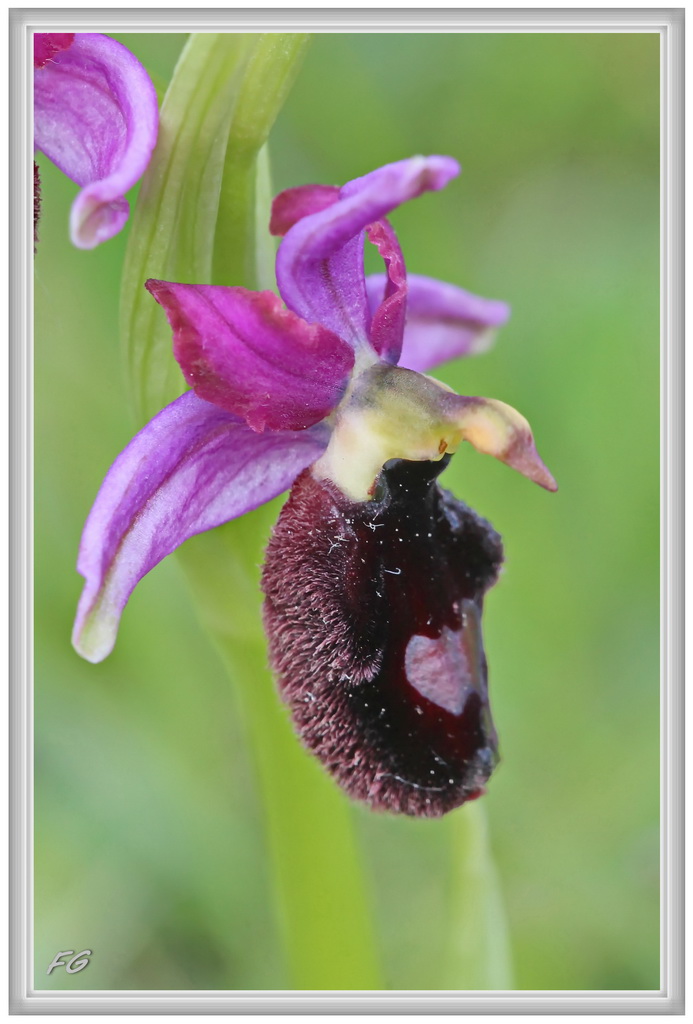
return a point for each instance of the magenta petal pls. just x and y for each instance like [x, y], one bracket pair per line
[320, 261]
[47, 44]
[293, 204]
[96, 117]
[191, 468]
[387, 325]
[245, 353]
[443, 321]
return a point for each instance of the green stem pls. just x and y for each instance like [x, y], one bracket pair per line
[321, 897]
[479, 947]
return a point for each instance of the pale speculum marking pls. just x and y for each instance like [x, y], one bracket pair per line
[448, 668]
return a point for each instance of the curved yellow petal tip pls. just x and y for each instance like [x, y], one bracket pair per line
[525, 459]
[497, 429]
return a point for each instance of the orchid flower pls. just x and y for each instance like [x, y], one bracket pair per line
[96, 117]
[374, 577]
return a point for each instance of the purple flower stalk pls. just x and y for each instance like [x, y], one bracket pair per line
[96, 117]
[374, 576]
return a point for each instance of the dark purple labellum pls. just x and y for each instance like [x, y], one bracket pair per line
[373, 613]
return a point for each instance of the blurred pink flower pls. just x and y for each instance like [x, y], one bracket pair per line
[96, 117]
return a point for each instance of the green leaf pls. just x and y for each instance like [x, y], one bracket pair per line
[217, 113]
[243, 247]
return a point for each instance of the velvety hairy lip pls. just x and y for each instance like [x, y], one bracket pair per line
[373, 615]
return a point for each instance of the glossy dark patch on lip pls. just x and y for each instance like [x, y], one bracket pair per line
[373, 614]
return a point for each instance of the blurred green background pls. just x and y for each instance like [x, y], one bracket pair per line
[149, 835]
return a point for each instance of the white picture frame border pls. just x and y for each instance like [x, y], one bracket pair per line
[669, 24]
